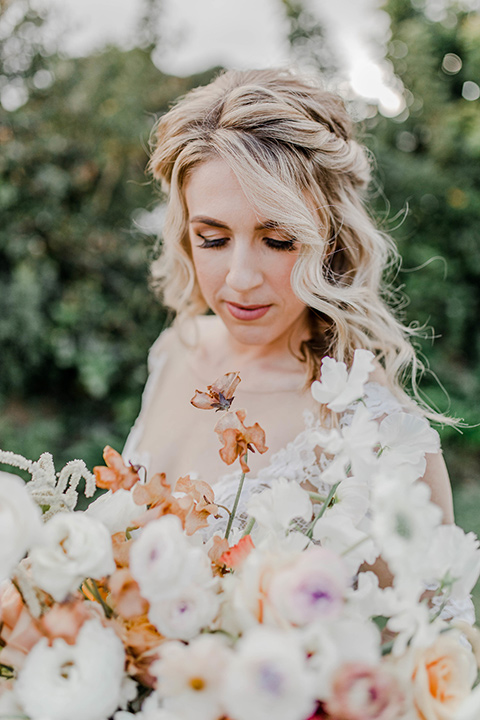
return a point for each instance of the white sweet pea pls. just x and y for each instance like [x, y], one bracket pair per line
[347, 540]
[78, 682]
[184, 615]
[164, 562]
[268, 678]
[453, 558]
[405, 439]
[74, 547]
[115, 510]
[276, 507]
[20, 523]
[338, 387]
[190, 677]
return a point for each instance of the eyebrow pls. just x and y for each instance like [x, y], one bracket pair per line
[267, 225]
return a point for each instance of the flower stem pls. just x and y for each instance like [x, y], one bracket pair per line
[235, 504]
[96, 593]
[317, 496]
[249, 527]
[325, 505]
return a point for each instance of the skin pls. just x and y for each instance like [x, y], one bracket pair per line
[241, 260]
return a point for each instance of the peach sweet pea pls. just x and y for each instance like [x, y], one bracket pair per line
[442, 678]
[18, 630]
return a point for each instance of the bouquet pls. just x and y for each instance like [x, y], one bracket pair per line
[141, 607]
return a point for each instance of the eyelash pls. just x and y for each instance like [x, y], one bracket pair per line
[280, 245]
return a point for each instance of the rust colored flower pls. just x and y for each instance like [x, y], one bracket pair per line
[125, 597]
[116, 475]
[203, 505]
[238, 438]
[121, 549]
[157, 496]
[219, 548]
[219, 396]
[141, 641]
[236, 555]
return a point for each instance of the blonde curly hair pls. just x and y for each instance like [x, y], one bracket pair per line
[290, 144]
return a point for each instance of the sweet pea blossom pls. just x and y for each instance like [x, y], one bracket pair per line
[190, 677]
[338, 387]
[163, 561]
[268, 677]
[20, 523]
[454, 559]
[75, 547]
[116, 510]
[78, 682]
[277, 506]
[405, 439]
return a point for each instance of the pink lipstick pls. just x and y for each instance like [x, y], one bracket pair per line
[247, 312]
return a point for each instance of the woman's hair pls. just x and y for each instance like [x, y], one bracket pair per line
[290, 145]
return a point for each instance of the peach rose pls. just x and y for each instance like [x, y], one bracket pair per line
[442, 678]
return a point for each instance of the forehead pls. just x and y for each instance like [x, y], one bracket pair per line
[213, 186]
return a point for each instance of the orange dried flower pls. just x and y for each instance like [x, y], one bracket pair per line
[116, 475]
[238, 438]
[64, 620]
[236, 555]
[125, 596]
[219, 396]
[157, 495]
[203, 505]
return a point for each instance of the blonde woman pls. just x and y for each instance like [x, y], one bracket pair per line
[266, 228]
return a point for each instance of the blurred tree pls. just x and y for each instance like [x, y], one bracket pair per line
[76, 316]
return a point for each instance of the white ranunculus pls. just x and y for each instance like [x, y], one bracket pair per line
[276, 507]
[190, 677]
[78, 682]
[115, 510]
[311, 588]
[74, 547]
[164, 562]
[268, 677]
[184, 615]
[405, 439]
[20, 523]
[338, 387]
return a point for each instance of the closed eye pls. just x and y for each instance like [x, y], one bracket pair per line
[285, 245]
[212, 242]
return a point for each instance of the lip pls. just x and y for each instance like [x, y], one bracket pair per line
[247, 312]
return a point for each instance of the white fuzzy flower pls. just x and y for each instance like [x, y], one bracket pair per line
[164, 562]
[338, 387]
[276, 507]
[184, 615]
[454, 558]
[20, 523]
[268, 678]
[75, 547]
[311, 588]
[115, 510]
[190, 677]
[405, 439]
[78, 682]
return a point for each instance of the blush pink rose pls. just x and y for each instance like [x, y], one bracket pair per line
[365, 692]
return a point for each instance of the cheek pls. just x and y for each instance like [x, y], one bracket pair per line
[209, 272]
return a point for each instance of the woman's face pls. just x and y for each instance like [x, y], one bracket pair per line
[243, 262]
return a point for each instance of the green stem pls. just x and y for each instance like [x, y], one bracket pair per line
[235, 504]
[316, 496]
[96, 593]
[354, 546]
[325, 505]
[249, 527]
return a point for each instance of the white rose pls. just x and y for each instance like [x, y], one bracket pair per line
[183, 616]
[115, 510]
[164, 562]
[20, 523]
[75, 547]
[78, 682]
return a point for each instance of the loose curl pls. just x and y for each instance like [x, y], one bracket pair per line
[290, 145]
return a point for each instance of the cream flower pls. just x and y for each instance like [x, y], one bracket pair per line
[404, 440]
[364, 692]
[190, 677]
[20, 523]
[454, 558]
[75, 547]
[78, 682]
[338, 387]
[442, 677]
[164, 562]
[268, 678]
[115, 510]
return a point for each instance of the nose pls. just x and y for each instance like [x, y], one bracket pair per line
[244, 272]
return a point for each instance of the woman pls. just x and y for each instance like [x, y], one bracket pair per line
[266, 227]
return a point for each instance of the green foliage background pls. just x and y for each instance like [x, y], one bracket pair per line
[76, 315]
